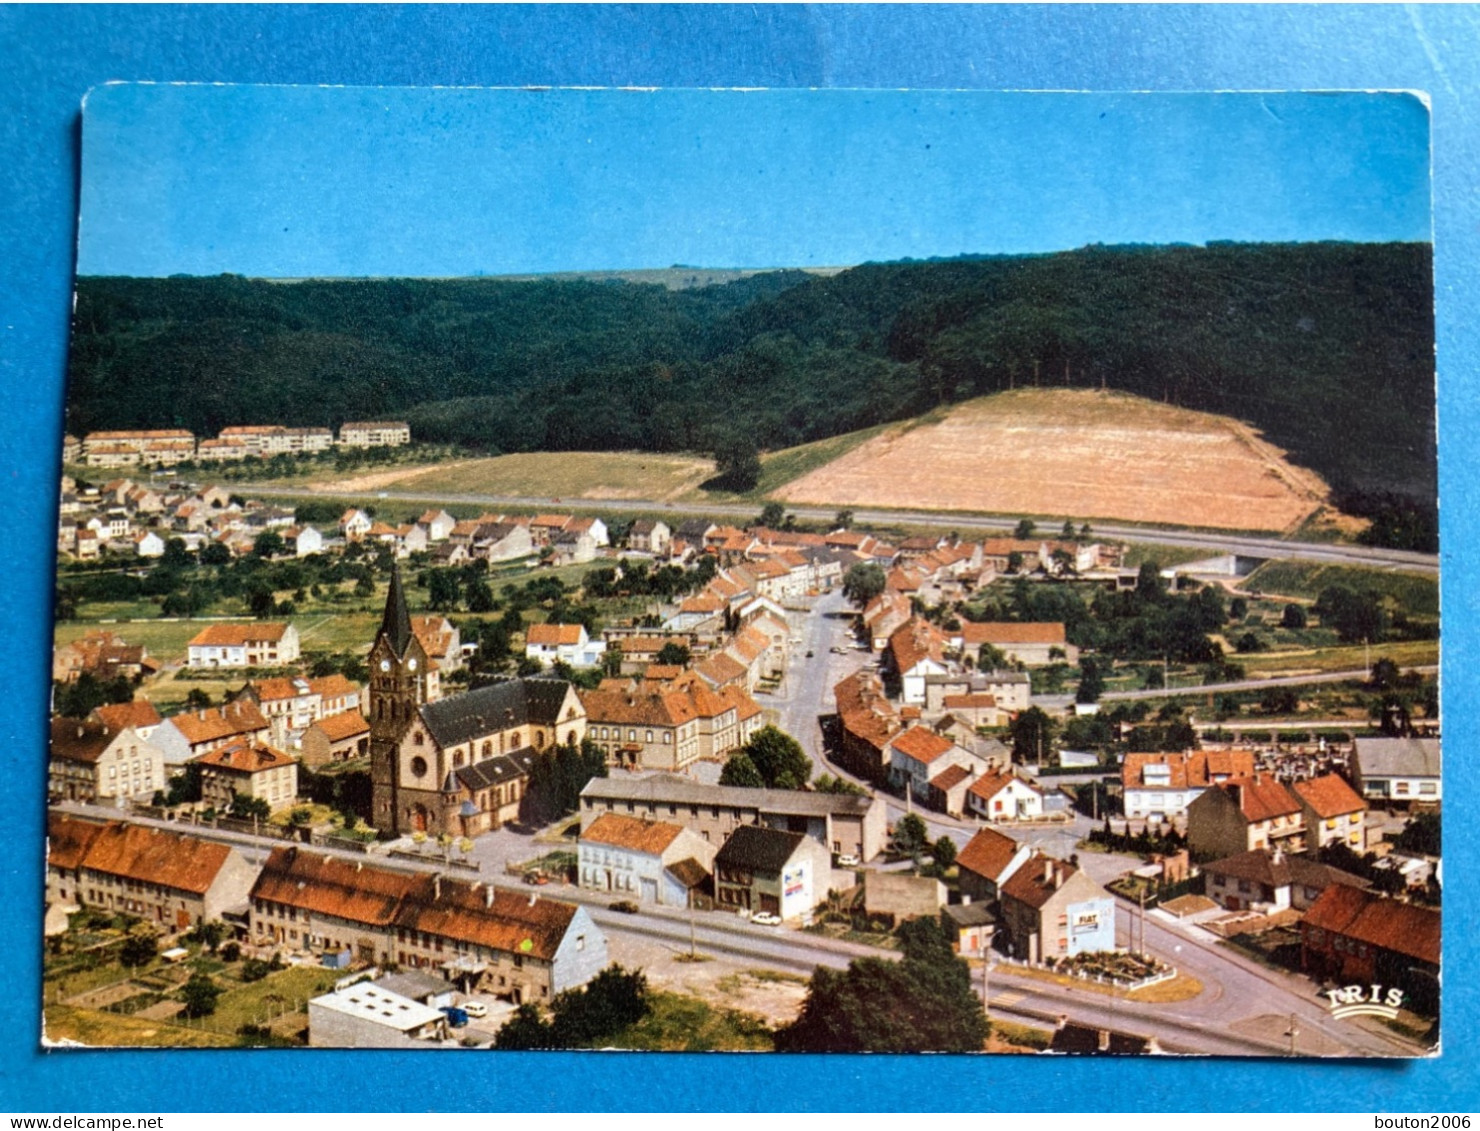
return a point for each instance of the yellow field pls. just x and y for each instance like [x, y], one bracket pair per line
[1078, 453]
[588, 475]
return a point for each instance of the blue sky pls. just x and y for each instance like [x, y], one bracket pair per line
[326, 181]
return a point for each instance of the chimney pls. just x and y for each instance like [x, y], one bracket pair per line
[436, 887]
[533, 898]
[1058, 877]
[1047, 870]
[965, 900]
[1104, 1040]
[81, 730]
[488, 897]
[1277, 856]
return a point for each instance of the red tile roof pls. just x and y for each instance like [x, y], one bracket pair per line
[950, 777]
[212, 724]
[1329, 796]
[171, 860]
[347, 724]
[922, 744]
[329, 885]
[80, 740]
[1388, 924]
[1010, 632]
[67, 840]
[245, 757]
[990, 784]
[551, 635]
[987, 853]
[1262, 798]
[631, 833]
[218, 635]
[1028, 885]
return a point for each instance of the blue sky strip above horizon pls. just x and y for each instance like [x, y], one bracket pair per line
[281, 181]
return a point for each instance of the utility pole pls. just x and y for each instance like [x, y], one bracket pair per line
[1142, 951]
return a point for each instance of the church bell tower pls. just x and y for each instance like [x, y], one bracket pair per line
[398, 687]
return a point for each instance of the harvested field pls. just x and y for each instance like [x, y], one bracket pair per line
[589, 475]
[1077, 453]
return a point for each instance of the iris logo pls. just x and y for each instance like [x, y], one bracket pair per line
[1348, 1001]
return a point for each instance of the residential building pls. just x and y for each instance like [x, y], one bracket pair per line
[248, 769]
[867, 722]
[842, 823]
[986, 861]
[255, 644]
[652, 861]
[457, 765]
[515, 945]
[1162, 785]
[1334, 812]
[190, 734]
[338, 738]
[916, 651]
[94, 762]
[442, 643]
[1398, 771]
[173, 881]
[567, 643]
[1010, 691]
[766, 869]
[140, 714]
[647, 728]
[919, 754]
[355, 525]
[1050, 909]
[1000, 795]
[650, 536]
[896, 897]
[1244, 814]
[374, 433]
[292, 704]
[1269, 880]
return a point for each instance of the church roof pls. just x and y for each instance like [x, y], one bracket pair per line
[395, 625]
[494, 771]
[499, 706]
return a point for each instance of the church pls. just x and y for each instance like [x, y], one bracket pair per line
[458, 764]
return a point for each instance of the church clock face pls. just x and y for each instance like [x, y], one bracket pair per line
[385, 665]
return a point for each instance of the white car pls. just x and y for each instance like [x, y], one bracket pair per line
[475, 1008]
[766, 919]
[848, 860]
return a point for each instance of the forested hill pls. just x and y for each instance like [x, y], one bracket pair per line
[1328, 348]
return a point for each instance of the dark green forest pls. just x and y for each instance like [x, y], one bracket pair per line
[1326, 347]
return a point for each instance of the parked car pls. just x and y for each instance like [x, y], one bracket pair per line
[766, 919]
[457, 1017]
[625, 906]
[536, 878]
[848, 860]
[475, 1008]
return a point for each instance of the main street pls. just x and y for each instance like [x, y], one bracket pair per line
[1214, 542]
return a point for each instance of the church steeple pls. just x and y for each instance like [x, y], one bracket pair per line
[395, 625]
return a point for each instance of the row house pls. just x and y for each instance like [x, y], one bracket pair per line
[1357, 937]
[883, 615]
[302, 541]
[651, 861]
[184, 737]
[918, 755]
[572, 547]
[173, 881]
[1243, 814]
[71, 448]
[1163, 785]
[248, 769]
[986, 862]
[93, 762]
[292, 704]
[842, 823]
[770, 870]
[516, 946]
[161, 446]
[644, 728]
[222, 450]
[439, 525]
[265, 440]
[867, 722]
[138, 714]
[255, 644]
[337, 738]
[500, 541]
[374, 433]
[1398, 771]
[916, 651]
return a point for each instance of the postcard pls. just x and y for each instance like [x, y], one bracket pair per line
[823, 571]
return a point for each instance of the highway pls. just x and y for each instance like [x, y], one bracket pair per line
[1214, 542]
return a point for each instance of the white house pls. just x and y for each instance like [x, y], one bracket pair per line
[653, 861]
[251, 645]
[1000, 795]
[567, 643]
[148, 544]
[354, 524]
[1400, 770]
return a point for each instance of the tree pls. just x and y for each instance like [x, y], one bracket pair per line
[772, 515]
[176, 556]
[1421, 835]
[1091, 681]
[863, 582]
[480, 596]
[1293, 617]
[910, 835]
[199, 995]
[1067, 534]
[1246, 643]
[843, 520]
[607, 1004]
[1033, 736]
[943, 852]
[990, 658]
[922, 1003]
[778, 758]
[674, 654]
[268, 544]
[829, 784]
[210, 934]
[1385, 675]
[139, 947]
[525, 1030]
[443, 590]
[740, 770]
[245, 807]
[1014, 561]
[737, 463]
[215, 554]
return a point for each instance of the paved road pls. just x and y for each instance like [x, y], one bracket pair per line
[1251, 684]
[1214, 543]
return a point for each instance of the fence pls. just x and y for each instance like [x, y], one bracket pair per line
[1129, 985]
[436, 858]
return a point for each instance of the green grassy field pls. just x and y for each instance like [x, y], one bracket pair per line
[598, 475]
[1418, 594]
[1346, 657]
[685, 1024]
